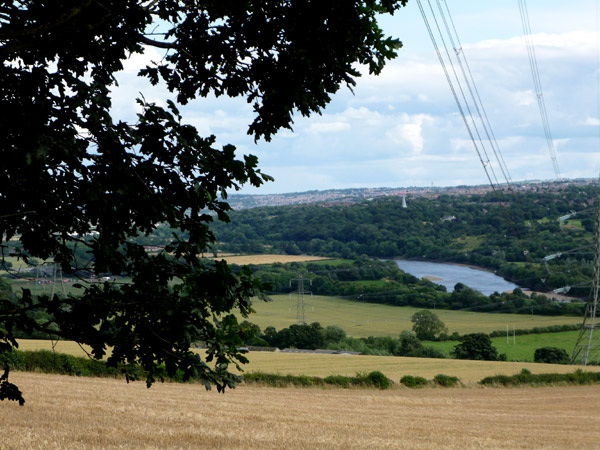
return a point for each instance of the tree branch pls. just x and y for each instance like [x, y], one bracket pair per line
[24, 213]
[158, 44]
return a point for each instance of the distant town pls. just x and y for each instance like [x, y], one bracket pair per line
[354, 195]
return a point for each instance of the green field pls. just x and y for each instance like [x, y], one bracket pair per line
[16, 264]
[574, 223]
[332, 262]
[370, 319]
[523, 347]
[469, 243]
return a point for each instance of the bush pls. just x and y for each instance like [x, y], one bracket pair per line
[551, 355]
[445, 380]
[375, 379]
[413, 382]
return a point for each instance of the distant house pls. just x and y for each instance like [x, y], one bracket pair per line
[448, 218]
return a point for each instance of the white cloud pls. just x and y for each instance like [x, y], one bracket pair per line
[410, 131]
[328, 127]
[524, 98]
[591, 121]
[138, 61]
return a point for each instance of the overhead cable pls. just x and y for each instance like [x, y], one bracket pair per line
[538, 84]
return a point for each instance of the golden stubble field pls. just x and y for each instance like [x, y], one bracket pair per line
[267, 258]
[79, 413]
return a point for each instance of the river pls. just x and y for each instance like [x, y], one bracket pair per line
[449, 274]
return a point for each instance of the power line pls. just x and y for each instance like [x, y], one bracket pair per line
[455, 89]
[538, 84]
[474, 92]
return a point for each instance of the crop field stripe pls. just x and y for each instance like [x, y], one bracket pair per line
[322, 365]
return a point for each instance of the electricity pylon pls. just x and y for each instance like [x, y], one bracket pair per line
[587, 348]
[55, 272]
[300, 317]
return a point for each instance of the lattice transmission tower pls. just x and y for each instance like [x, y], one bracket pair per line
[300, 305]
[587, 348]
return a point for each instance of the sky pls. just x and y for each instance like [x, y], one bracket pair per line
[403, 128]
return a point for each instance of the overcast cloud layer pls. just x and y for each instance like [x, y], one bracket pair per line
[403, 127]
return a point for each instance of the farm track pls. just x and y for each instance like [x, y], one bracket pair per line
[81, 413]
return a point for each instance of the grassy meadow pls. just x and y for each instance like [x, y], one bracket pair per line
[523, 347]
[75, 413]
[16, 263]
[38, 288]
[371, 319]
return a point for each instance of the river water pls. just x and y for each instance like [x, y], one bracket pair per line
[449, 274]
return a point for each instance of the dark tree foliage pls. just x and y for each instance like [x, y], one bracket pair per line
[303, 336]
[477, 346]
[551, 355]
[69, 168]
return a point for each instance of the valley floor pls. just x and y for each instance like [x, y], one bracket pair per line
[78, 413]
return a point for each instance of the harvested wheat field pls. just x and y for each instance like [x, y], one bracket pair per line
[75, 413]
[394, 367]
[268, 259]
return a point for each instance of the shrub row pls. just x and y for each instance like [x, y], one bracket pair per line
[527, 378]
[438, 380]
[372, 379]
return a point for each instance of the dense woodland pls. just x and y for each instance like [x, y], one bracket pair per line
[510, 233]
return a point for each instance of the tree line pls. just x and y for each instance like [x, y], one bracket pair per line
[381, 281]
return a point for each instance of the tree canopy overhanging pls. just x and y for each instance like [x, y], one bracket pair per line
[76, 183]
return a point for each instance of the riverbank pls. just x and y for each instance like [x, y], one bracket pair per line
[449, 274]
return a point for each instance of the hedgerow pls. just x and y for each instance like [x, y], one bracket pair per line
[578, 377]
[372, 379]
